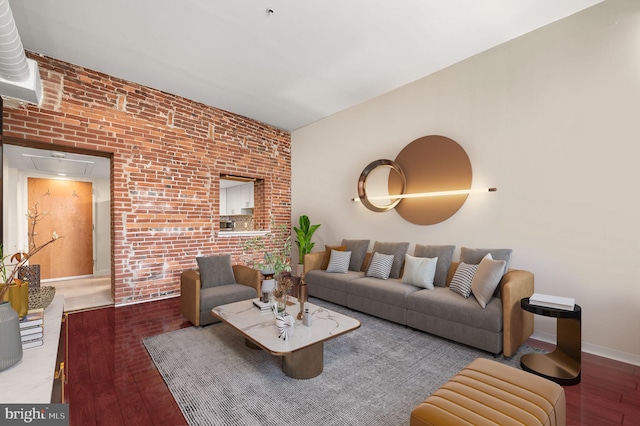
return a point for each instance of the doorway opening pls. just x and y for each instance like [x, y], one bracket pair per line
[71, 190]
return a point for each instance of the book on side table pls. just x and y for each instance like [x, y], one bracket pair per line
[33, 317]
[32, 329]
[549, 301]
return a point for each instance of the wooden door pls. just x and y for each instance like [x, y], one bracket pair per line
[66, 208]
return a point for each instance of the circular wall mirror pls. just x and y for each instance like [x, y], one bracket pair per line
[375, 175]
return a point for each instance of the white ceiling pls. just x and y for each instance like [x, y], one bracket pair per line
[305, 61]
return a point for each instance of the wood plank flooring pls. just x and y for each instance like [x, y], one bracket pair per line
[112, 380]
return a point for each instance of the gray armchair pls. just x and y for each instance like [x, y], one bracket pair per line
[216, 282]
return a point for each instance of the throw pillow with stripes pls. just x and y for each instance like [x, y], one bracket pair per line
[462, 278]
[339, 261]
[380, 266]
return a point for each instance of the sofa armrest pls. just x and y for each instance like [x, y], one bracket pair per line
[517, 323]
[248, 276]
[190, 295]
[313, 260]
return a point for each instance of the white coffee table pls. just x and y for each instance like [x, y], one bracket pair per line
[303, 353]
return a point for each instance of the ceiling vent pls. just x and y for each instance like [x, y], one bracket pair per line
[60, 165]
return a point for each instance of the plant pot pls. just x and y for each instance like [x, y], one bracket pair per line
[18, 297]
[11, 348]
[299, 269]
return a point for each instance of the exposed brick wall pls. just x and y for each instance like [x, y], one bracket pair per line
[168, 154]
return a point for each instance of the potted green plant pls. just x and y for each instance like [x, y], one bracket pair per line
[304, 234]
[277, 253]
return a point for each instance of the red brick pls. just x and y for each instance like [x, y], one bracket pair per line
[166, 150]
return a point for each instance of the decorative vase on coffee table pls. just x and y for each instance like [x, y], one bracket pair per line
[11, 347]
[281, 304]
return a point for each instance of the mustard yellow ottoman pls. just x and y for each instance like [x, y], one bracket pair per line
[489, 393]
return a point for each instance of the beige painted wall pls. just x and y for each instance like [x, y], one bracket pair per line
[553, 120]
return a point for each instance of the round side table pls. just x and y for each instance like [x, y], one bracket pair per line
[563, 364]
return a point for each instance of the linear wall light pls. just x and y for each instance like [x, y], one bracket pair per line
[429, 194]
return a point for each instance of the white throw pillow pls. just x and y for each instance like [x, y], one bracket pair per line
[339, 261]
[487, 278]
[380, 266]
[419, 271]
[461, 281]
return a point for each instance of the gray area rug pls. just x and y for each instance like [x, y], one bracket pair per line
[372, 376]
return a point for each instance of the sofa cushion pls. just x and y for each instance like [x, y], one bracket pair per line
[336, 282]
[444, 255]
[474, 256]
[391, 291]
[397, 250]
[447, 305]
[339, 261]
[486, 279]
[327, 254]
[358, 249]
[380, 266]
[461, 281]
[215, 270]
[419, 271]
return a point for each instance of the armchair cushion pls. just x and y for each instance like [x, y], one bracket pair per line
[221, 295]
[215, 270]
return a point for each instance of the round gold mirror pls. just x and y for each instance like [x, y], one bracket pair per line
[397, 185]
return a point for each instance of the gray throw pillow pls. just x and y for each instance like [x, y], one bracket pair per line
[358, 249]
[397, 250]
[215, 270]
[475, 256]
[444, 255]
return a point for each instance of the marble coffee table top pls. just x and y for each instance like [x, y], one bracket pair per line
[260, 326]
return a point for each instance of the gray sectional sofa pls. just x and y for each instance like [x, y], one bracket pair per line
[500, 326]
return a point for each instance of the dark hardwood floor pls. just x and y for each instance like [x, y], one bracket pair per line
[112, 380]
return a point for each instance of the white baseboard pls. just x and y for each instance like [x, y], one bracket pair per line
[590, 348]
[155, 299]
